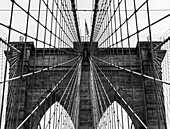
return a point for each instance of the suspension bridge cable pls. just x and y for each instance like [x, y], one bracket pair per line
[67, 35]
[76, 104]
[153, 68]
[91, 10]
[69, 87]
[74, 91]
[70, 22]
[130, 56]
[109, 20]
[100, 20]
[111, 72]
[116, 29]
[55, 107]
[101, 93]
[141, 63]
[64, 19]
[21, 68]
[5, 71]
[165, 76]
[161, 44]
[95, 101]
[74, 85]
[63, 39]
[47, 96]
[122, 54]
[3, 41]
[36, 38]
[107, 96]
[39, 71]
[41, 25]
[12, 74]
[75, 19]
[97, 93]
[131, 71]
[121, 97]
[168, 15]
[94, 19]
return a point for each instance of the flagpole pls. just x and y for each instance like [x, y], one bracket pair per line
[85, 29]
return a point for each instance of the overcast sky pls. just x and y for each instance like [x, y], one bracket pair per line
[159, 8]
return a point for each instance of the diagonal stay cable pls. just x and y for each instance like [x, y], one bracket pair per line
[104, 89]
[101, 19]
[39, 71]
[19, 6]
[162, 43]
[97, 91]
[100, 81]
[69, 19]
[122, 24]
[135, 11]
[102, 93]
[41, 25]
[75, 19]
[146, 27]
[110, 20]
[75, 74]
[3, 41]
[47, 96]
[64, 21]
[68, 25]
[75, 87]
[94, 19]
[131, 71]
[22, 33]
[120, 96]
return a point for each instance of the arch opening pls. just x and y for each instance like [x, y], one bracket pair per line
[115, 117]
[56, 117]
[52, 114]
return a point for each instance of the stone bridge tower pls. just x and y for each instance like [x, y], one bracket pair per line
[141, 96]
